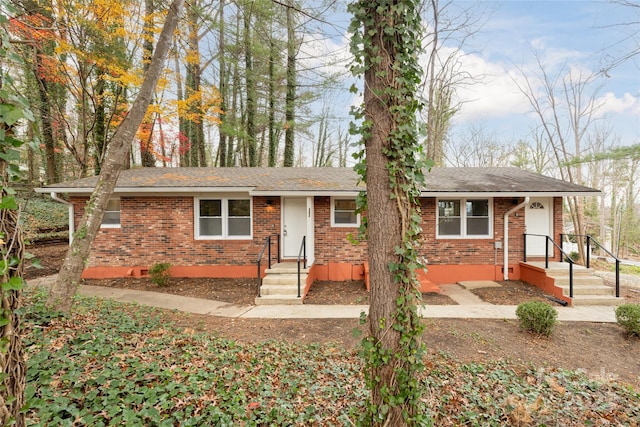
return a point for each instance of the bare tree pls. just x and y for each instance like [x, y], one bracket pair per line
[444, 72]
[62, 291]
[477, 148]
[566, 107]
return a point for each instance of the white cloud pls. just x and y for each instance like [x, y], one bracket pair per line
[610, 103]
[495, 94]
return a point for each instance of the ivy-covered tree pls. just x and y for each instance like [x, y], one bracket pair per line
[13, 108]
[386, 45]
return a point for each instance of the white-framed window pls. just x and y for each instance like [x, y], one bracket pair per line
[343, 212]
[464, 218]
[111, 218]
[227, 217]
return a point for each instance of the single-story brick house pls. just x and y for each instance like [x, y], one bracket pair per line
[213, 222]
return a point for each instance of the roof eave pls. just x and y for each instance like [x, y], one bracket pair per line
[496, 194]
[148, 190]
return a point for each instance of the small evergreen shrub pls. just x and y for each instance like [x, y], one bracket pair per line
[628, 316]
[160, 274]
[537, 316]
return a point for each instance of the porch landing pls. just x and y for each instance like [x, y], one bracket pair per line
[588, 289]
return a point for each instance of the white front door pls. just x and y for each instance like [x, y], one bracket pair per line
[294, 225]
[538, 220]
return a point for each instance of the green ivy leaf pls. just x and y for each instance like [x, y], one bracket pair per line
[8, 202]
[15, 283]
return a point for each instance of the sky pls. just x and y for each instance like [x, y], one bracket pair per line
[565, 36]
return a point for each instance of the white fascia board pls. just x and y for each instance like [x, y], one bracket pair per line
[151, 190]
[304, 193]
[511, 194]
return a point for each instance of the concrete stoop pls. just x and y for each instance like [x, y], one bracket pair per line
[280, 285]
[588, 289]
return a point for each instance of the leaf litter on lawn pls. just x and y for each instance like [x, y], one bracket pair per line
[109, 363]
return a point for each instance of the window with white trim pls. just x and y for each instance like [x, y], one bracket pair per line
[343, 213]
[223, 218]
[111, 218]
[469, 218]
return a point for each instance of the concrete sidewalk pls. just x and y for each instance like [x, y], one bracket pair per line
[469, 306]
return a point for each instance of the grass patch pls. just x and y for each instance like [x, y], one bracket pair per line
[120, 364]
[627, 269]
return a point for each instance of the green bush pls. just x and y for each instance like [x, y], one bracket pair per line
[628, 316]
[160, 274]
[537, 316]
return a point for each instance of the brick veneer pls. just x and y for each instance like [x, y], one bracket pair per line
[161, 229]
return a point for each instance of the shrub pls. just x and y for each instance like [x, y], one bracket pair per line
[628, 316]
[160, 274]
[537, 316]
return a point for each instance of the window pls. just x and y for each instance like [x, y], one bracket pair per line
[464, 218]
[111, 217]
[343, 213]
[225, 217]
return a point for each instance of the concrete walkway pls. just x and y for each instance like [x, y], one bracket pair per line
[469, 306]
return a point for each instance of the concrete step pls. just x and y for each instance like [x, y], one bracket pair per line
[577, 272]
[280, 289]
[596, 300]
[286, 268]
[284, 279]
[587, 290]
[278, 300]
[579, 281]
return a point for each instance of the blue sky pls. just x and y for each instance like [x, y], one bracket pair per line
[574, 35]
[570, 34]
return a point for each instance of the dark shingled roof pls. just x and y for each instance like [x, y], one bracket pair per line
[321, 180]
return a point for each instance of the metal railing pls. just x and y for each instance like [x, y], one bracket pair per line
[588, 241]
[302, 253]
[546, 256]
[267, 247]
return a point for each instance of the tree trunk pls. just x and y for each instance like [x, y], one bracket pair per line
[251, 91]
[222, 144]
[100, 131]
[387, 46]
[273, 142]
[289, 148]
[62, 291]
[13, 367]
[147, 156]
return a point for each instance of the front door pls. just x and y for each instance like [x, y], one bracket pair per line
[538, 221]
[294, 225]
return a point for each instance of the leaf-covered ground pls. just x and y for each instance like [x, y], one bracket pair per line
[115, 364]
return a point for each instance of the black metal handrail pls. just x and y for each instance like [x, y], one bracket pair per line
[590, 239]
[546, 256]
[302, 253]
[267, 247]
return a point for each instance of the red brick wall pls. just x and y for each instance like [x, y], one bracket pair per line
[161, 229]
[332, 243]
[474, 251]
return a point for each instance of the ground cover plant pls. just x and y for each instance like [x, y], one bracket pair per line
[116, 364]
[43, 218]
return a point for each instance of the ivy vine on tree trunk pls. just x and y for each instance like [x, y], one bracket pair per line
[386, 45]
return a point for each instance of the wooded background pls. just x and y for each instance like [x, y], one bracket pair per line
[247, 85]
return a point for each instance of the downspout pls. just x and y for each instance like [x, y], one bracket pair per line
[506, 235]
[72, 225]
